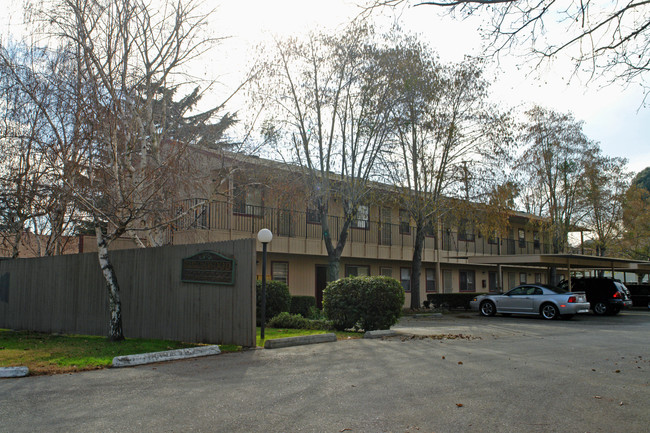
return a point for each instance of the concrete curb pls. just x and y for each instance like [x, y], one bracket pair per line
[168, 355]
[14, 371]
[299, 341]
[426, 315]
[380, 333]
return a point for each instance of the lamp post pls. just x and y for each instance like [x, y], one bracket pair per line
[264, 236]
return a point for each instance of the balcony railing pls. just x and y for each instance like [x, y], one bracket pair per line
[201, 214]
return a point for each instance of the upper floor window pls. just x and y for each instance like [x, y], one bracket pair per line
[430, 230]
[536, 239]
[362, 221]
[247, 200]
[313, 216]
[522, 238]
[493, 238]
[404, 222]
[465, 231]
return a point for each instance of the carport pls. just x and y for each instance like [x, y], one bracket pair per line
[563, 261]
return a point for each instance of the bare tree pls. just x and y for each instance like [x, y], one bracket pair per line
[328, 99]
[609, 38]
[126, 54]
[38, 112]
[439, 133]
[553, 164]
[605, 184]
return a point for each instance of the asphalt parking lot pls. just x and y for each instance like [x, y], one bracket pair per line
[496, 374]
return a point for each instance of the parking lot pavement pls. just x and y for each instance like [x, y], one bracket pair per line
[515, 374]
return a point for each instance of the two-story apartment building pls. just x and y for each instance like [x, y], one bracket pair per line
[246, 194]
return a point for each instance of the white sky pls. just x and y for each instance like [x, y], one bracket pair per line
[612, 114]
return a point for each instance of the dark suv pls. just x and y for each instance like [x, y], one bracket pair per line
[605, 295]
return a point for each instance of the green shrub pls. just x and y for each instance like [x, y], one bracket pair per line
[342, 302]
[296, 321]
[278, 299]
[383, 299]
[367, 302]
[302, 304]
[315, 313]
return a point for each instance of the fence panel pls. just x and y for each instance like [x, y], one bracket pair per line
[67, 294]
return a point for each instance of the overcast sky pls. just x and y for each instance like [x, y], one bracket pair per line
[612, 114]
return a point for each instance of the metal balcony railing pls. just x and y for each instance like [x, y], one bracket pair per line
[210, 215]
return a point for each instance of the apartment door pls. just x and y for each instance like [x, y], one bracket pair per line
[321, 283]
[492, 281]
[447, 281]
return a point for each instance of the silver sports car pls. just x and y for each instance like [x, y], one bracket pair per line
[548, 301]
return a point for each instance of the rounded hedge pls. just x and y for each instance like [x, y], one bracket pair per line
[278, 299]
[367, 302]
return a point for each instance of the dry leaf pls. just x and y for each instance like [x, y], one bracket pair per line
[460, 362]
[459, 404]
[597, 396]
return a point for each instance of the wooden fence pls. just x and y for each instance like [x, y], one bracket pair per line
[67, 294]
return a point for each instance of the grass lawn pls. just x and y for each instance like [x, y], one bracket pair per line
[55, 354]
[273, 333]
[52, 354]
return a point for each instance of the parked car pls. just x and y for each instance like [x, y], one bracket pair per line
[605, 295]
[538, 299]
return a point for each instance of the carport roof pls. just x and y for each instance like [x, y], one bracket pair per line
[570, 261]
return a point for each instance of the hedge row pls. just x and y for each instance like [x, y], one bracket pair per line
[449, 300]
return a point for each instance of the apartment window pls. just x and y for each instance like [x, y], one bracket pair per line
[357, 270]
[431, 280]
[313, 216]
[493, 239]
[467, 281]
[247, 200]
[522, 238]
[429, 231]
[405, 278]
[538, 277]
[404, 222]
[465, 231]
[280, 271]
[386, 272]
[536, 242]
[522, 278]
[362, 220]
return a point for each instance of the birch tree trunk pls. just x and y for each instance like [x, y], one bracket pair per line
[115, 332]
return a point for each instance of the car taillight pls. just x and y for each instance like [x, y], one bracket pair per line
[617, 295]
[572, 299]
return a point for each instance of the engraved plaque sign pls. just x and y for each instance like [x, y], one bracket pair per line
[208, 267]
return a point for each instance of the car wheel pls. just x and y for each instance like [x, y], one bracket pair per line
[488, 308]
[549, 311]
[600, 308]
